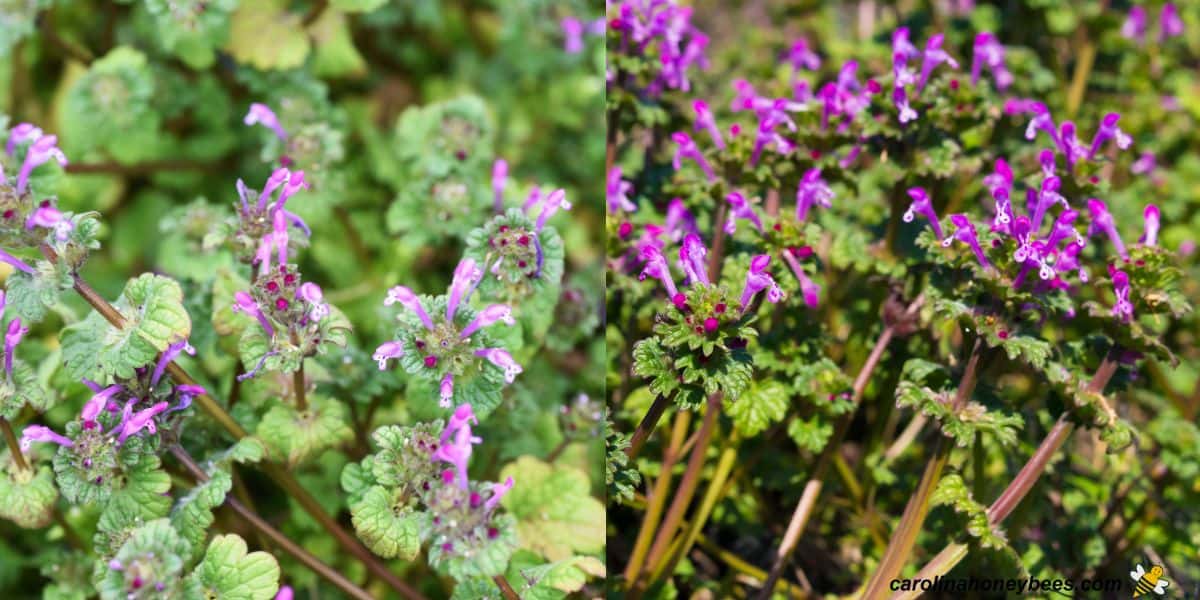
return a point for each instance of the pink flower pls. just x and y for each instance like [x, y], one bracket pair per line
[758, 279]
[261, 114]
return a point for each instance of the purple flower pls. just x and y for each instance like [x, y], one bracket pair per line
[20, 134]
[692, 257]
[464, 416]
[769, 119]
[466, 276]
[261, 114]
[618, 190]
[499, 181]
[488, 317]
[1069, 144]
[244, 303]
[745, 98]
[41, 152]
[311, 293]
[1021, 106]
[813, 191]
[143, 419]
[933, 56]
[964, 231]
[922, 204]
[801, 57]
[498, 492]
[739, 208]
[278, 177]
[1108, 130]
[758, 279]
[902, 75]
[706, 121]
[1169, 23]
[688, 149]
[409, 300]
[901, 46]
[1151, 217]
[552, 204]
[809, 290]
[1134, 27]
[1123, 309]
[168, 356]
[11, 338]
[1048, 160]
[572, 35]
[15, 262]
[40, 433]
[186, 392]
[1047, 196]
[386, 351]
[1041, 121]
[457, 452]
[989, 53]
[656, 266]
[1001, 177]
[679, 221]
[501, 358]
[285, 593]
[905, 110]
[1102, 220]
[93, 407]
[446, 391]
[1004, 215]
[1144, 164]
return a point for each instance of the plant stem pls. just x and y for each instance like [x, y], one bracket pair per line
[69, 533]
[300, 554]
[1024, 481]
[812, 489]
[646, 426]
[658, 498]
[716, 488]
[505, 588]
[314, 13]
[70, 49]
[737, 564]
[281, 476]
[558, 450]
[14, 447]
[905, 535]
[1083, 67]
[687, 486]
[718, 247]
[298, 388]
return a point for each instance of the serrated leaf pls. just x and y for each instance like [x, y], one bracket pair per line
[30, 296]
[555, 580]
[229, 572]
[389, 531]
[556, 516]
[24, 390]
[143, 497]
[763, 404]
[151, 558]
[810, 434]
[152, 307]
[28, 496]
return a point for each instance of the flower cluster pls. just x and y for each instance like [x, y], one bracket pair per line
[693, 262]
[264, 223]
[463, 510]
[1170, 24]
[452, 345]
[291, 314]
[24, 216]
[660, 29]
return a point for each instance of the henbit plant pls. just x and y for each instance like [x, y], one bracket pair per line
[144, 433]
[986, 320]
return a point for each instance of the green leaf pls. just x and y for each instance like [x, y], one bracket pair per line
[142, 497]
[556, 517]
[265, 35]
[152, 307]
[357, 5]
[28, 496]
[112, 107]
[335, 54]
[229, 572]
[296, 436]
[555, 580]
[192, 29]
[388, 529]
[193, 515]
[621, 478]
[810, 434]
[30, 296]
[762, 405]
[24, 389]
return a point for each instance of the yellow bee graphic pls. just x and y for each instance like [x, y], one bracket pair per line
[1145, 581]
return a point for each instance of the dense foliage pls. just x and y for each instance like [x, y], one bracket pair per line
[871, 266]
[300, 298]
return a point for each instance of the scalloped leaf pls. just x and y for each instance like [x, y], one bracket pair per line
[30, 296]
[265, 35]
[389, 530]
[229, 572]
[763, 404]
[152, 556]
[556, 516]
[193, 514]
[28, 496]
[297, 436]
[154, 318]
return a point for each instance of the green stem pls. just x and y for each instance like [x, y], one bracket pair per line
[713, 493]
[657, 498]
[905, 535]
[737, 564]
[1083, 67]
[1024, 481]
[14, 447]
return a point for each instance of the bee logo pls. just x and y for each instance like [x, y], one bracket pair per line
[1147, 581]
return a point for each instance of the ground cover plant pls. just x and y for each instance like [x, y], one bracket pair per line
[901, 291]
[300, 299]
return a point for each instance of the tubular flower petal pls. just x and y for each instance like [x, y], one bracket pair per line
[464, 416]
[692, 257]
[758, 279]
[1069, 144]
[466, 275]
[43, 150]
[922, 204]
[446, 391]
[261, 114]
[1123, 309]
[501, 358]
[1001, 177]
[15, 262]
[656, 266]
[557, 200]
[964, 231]
[802, 57]
[499, 182]
[706, 121]
[1144, 164]
[143, 419]
[1169, 23]
[498, 492]
[989, 53]
[385, 351]
[1102, 220]
[688, 149]
[1047, 197]
[1108, 130]
[11, 338]
[488, 317]
[740, 209]
[813, 191]
[168, 356]
[40, 433]
[902, 46]
[409, 300]
[903, 108]
[278, 177]
[1151, 217]
[572, 35]
[617, 191]
[93, 407]
[1041, 121]
[932, 57]
[245, 303]
[679, 221]
[1134, 27]
[20, 134]
[458, 453]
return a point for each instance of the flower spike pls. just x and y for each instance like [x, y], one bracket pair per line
[1102, 220]
[740, 209]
